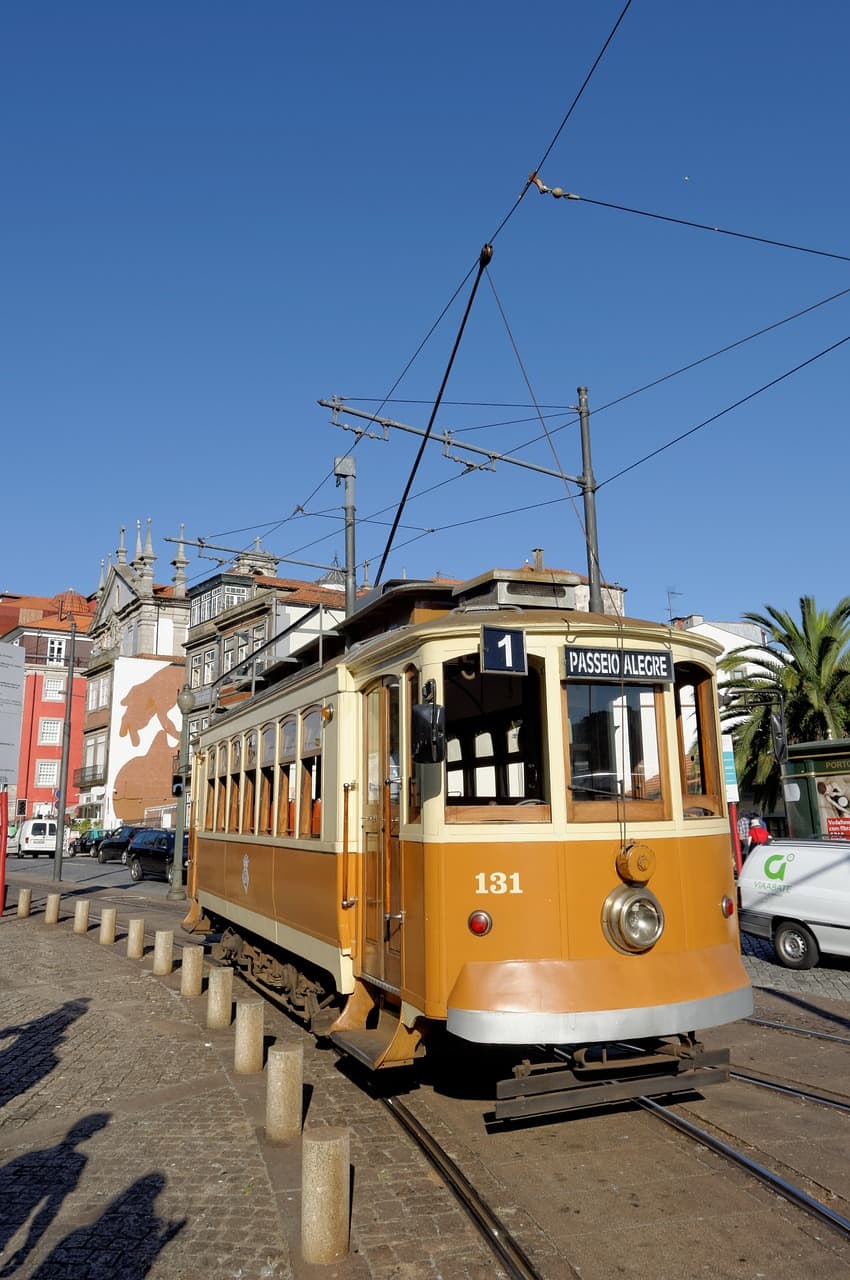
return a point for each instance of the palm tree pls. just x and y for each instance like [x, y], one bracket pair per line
[799, 674]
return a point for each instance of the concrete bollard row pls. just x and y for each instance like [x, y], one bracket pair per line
[81, 915]
[51, 909]
[325, 1193]
[136, 938]
[108, 919]
[248, 1046]
[219, 999]
[163, 952]
[192, 971]
[24, 902]
[284, 1092]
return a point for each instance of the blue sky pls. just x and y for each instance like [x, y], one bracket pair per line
[216, 214]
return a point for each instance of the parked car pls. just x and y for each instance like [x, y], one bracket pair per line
[797, 894]
[36, 835]
[151, 853]
[113, 846]
[88, 842]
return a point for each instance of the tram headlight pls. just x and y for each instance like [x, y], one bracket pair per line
[632, 918]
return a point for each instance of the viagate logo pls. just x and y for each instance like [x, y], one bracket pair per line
[776, 864]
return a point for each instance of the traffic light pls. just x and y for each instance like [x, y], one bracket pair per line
[177, 784]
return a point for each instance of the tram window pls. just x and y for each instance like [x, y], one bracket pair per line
[310, 798]
[494, 744]
[414, 791]
[697, 740]
[286, 779]
[264, 809]
[209, 807]
[615, 755]
[221, 789]
[250, 783]
[235, 776]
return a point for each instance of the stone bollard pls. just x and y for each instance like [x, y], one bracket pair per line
[24, 902]
[325, 1193]
[51, 910]
[81, 916]
[219, 998]
[136, 938]
[248, 1047]
[284, 1092]
[108, 917]
[192, 971]
[163, 952]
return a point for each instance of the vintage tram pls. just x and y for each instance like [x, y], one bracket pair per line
[472, 808]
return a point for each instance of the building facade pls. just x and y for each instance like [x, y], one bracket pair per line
[135, 671]
[53, 635]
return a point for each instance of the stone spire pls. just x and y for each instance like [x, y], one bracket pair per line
[145, 560]
[180, 561]
[121, 553]
[101, 582]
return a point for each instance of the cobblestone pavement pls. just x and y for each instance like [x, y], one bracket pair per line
[129, 1148]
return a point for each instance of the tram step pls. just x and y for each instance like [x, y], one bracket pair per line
[371, 1047]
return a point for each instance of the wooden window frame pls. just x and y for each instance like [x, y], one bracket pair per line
[615, 810]
[711, 801]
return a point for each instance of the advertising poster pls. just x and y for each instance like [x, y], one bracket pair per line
[834, 805]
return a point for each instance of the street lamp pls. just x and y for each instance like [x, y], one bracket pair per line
[186, 703]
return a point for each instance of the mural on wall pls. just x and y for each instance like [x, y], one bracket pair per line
[143, 741]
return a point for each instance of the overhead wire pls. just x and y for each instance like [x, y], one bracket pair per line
[559, 194]
[301, 506]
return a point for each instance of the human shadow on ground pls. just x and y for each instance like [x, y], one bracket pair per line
[32, 1053]
[125, 1240]
[37, 1184]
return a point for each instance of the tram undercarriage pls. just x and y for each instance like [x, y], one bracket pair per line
[599, 1075]
[309, 996]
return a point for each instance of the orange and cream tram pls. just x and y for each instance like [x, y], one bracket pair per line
[474, 808]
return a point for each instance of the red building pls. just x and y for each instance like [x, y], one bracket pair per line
[47, 629]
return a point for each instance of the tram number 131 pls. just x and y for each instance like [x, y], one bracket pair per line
[497, 882]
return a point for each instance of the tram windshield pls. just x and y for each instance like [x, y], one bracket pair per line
[613, 743]
[494, 736]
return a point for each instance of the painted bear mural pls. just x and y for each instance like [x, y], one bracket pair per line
[144, 781]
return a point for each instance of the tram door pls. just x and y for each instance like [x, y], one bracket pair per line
[382, 917]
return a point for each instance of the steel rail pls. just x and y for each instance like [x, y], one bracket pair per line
[794, 1195]
[804, 1094]
[800, 1031]
[516, 1262]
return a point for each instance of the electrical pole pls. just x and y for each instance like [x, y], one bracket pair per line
[345, 469]
[66, 756]
[585, 482]
[588, 488]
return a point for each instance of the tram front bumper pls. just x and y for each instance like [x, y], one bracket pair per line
[594, 1000]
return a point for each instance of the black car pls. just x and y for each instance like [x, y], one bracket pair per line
[88, 842]
[113, 846]
[151, 853]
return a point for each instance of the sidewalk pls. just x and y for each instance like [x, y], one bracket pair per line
[130, 1149]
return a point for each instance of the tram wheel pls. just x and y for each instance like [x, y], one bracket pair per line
[795, 945]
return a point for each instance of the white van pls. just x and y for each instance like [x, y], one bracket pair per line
[35, 836]
[797, 894]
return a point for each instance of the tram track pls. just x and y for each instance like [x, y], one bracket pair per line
[493, 1231]
[781, 1186]
[793, 1029]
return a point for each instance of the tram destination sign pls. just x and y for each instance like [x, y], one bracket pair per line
[635, 666]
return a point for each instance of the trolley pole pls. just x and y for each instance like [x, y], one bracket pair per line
[345, 469]
[588, 488]
[66, 756]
